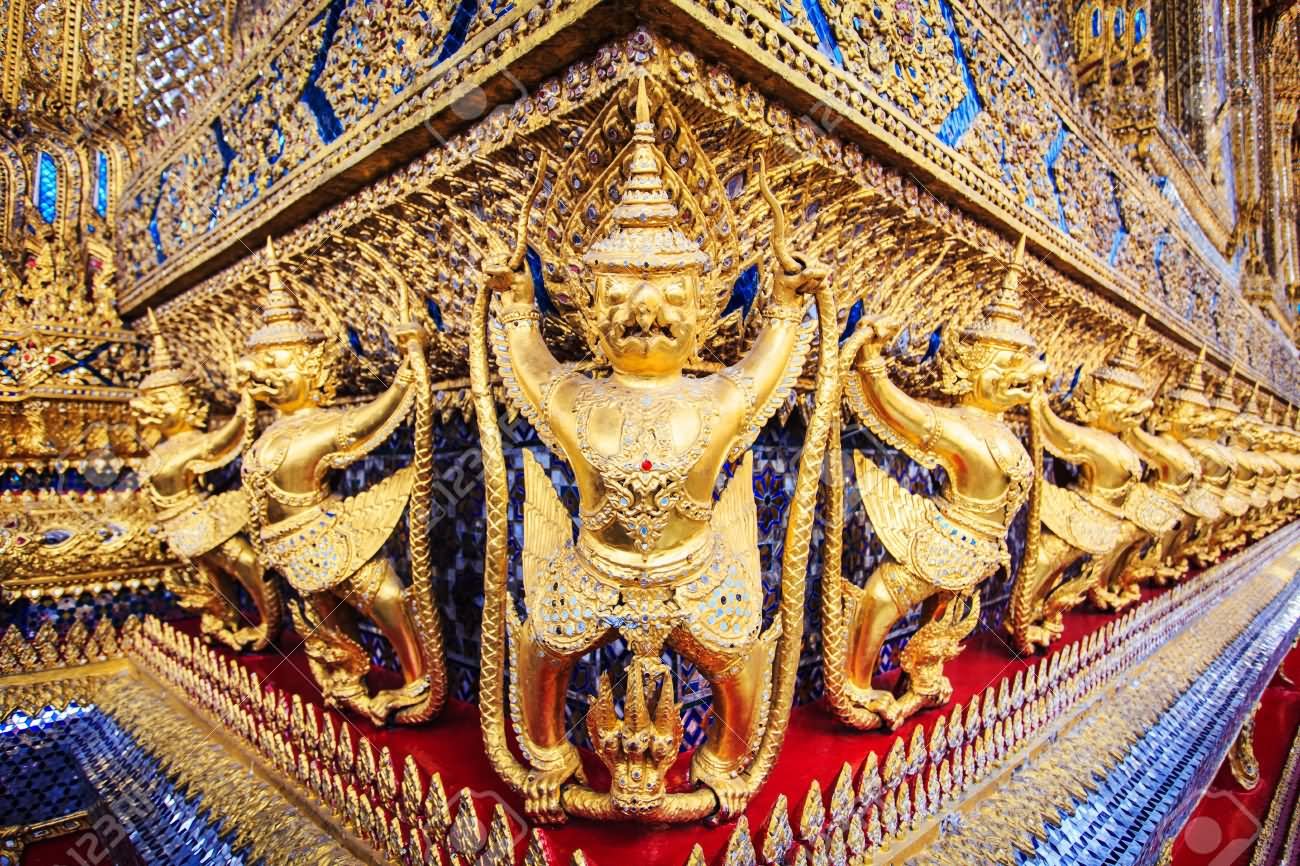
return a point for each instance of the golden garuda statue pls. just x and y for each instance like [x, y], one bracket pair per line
[1287, 453]
[658, 560]
[940, 549]
[1105, 517]
[1254, 436]
[1188, 417]
[328, 547]
[1175, 477]
[1283, 449]
[209, 532]
[1246, 468]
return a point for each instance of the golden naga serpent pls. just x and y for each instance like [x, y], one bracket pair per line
[419, 594]
[578, 799]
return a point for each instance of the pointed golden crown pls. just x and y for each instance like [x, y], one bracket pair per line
[1222, 399]
[1193, 390]
[645, 236]
[1124, 368]
[285, 324]
[1251, 410]
[1003, 320]
[163, 371]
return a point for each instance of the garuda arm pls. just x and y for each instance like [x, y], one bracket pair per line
[1061, 438]
[766, 373]
[1154, 449]
[225, 443]
[902, 421]
[362, 428]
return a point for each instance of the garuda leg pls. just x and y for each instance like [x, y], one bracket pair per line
[236, 557]
[540, 683]
[1041, 620]
[889, 593]
[739, 682]
[377, 592]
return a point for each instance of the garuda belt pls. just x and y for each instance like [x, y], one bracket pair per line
[206, 523]
[1078, 522]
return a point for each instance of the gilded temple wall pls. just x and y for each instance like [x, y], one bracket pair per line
[986, 120]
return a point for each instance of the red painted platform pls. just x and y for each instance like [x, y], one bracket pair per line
[816, 748]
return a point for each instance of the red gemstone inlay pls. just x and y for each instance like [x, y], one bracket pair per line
[646, 466]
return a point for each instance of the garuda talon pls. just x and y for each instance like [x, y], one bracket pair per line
[940, 549]
[328, 547]
[209, 532]
[657, 560]
[1097, 524]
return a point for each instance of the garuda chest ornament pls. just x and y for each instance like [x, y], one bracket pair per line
[657, 560]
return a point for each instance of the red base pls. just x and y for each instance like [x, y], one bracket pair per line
[82, 847]
[816, 748]
[1223, 828]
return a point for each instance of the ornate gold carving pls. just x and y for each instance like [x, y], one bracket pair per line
[1241, 757]
[206, 532]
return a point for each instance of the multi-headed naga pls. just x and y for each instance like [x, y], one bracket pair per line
[940, 549]
[658, 560]
[209, 532]
[330, 548]
[1105, 516]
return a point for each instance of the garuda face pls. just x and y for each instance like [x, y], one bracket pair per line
[1002, 377]
[166, 411]
[1116, 408]
[647, 323]
[285, 377]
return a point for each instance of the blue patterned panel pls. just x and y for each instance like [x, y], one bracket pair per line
[101, 183]
[47, 187]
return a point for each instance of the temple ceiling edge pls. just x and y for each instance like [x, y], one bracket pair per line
[1106, 242]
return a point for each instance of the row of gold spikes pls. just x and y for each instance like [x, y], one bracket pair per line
[48, 650]
[414, 822]
[874, 818]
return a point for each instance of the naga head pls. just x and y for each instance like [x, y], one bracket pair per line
[167, 403]
[995, 365]
[289, 363]
[647, 272]
[1115, 398]
[639, 748]
[1185, 411]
